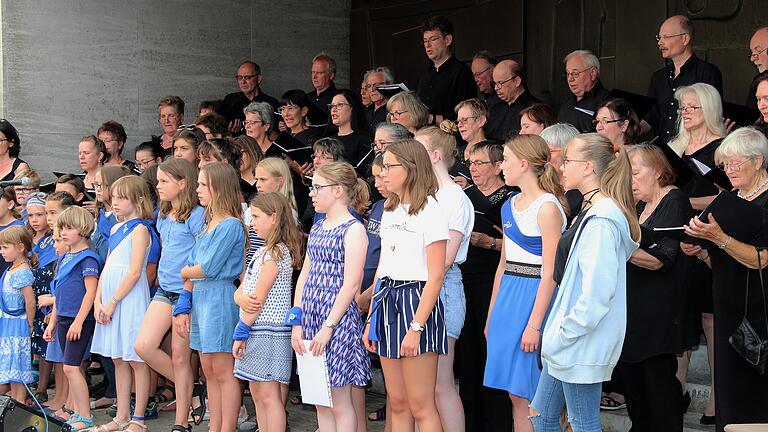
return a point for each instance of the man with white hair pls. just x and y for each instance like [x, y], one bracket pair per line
[758, 55]
[582, 72]
[376, 112]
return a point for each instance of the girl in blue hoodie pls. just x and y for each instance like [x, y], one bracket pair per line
[584, 332]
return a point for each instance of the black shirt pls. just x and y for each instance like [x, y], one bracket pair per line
[564, 247]
[504, 119]
[357, 151]
[573, 111]
[234, 103]
[375, 116]
[442, 89]
[663, 115]
[699, 186]
[321, 101]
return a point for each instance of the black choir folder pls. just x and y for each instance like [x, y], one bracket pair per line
[684, 173]
[293, 148]
[737, 217]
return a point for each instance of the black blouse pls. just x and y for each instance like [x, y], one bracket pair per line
[698, 186]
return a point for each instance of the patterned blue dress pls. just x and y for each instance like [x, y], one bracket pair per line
[15, 348]
[345, 354]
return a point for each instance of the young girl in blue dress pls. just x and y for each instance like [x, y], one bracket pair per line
[215, 261]
[17, 311]
[262, 347]
[72, 317]
[522, 292]
[407, 324]
[180, 220]
[325, 292]
[105, 219]
[42, 246]
[122, 298]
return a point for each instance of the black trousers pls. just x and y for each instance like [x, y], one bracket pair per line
[485, 409]
[654, 395]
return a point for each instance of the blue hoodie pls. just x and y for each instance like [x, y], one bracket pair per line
[584, 333]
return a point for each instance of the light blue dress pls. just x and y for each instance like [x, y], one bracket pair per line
[221, 254]
[116, 338]
[15, 341]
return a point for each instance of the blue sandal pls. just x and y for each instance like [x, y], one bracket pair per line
[74, 419]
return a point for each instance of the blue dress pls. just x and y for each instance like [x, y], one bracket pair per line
[508, 367]
[15, 343]
[221, 254]
[345, 354]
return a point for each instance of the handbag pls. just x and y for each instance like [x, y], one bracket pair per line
[745, 339]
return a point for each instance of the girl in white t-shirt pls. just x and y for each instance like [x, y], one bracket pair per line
[407, 317]
[441, 148]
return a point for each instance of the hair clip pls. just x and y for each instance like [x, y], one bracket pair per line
[448, 127]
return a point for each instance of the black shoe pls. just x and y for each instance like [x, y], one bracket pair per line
[707, 420]
[97, 391]
[686, 401]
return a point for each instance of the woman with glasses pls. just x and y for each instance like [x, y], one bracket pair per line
[170, 115]
[258, 124]
[616, 120]
[347, 124]
[472, 116]
[406, 109]
[388, 133]
[295, 109]
[535, 118]
[742, 392]
[700, 133]
[10, 147]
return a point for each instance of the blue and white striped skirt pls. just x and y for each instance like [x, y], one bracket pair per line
[394, 305]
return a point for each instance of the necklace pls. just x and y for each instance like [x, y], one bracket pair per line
[588, 201]
[754, 191]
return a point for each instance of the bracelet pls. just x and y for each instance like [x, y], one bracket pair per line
[493, 243]
[534, 328]
[725, 244]
[114, 300]
[703, 259]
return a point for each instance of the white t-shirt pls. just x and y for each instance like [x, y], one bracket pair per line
[461, 215]
[404, 240]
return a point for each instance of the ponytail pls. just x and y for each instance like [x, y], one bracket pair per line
[616, 183]
[549, 180]
[535, 150]
[359, 196]
[344, 174]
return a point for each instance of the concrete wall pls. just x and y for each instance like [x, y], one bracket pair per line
[68, 66]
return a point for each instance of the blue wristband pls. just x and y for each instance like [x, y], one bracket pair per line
[293, 317]
[183, 304]
[242, 330]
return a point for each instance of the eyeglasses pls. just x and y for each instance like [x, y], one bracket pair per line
[387, 167]
[477, 74]
[432, 40]
[245, 77]
[252, 122]
[380, 143]
[498, 84]
[605, 121]
[374, 85]
[478, 163]
[733, 166]
[317, 188]
[566, 161]
[687, 109]
[98, 186]
[322, 157]
[144, 163]
[24, 191]
[396, 114]
[5, 140]
[463, 120]
[756, 54]
[666, 37]
[575, 74]
[283, 109]
[337, 105]
[169, 117]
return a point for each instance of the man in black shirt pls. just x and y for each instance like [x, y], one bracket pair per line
[504, 118]
[376, 112]
[447, 81]
[482, 70]
[248, 79]
[758, 49]
[675, 40]
[323, 73]
[582, 71]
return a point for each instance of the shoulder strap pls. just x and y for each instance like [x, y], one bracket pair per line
[762, 289]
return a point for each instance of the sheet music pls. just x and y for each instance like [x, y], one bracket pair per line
[703, 168]
[585, 111]
[313, 378]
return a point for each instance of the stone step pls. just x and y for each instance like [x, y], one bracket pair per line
[618, 421]
[698, 368]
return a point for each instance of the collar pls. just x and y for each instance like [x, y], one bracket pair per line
[670, 65]
[443, 65]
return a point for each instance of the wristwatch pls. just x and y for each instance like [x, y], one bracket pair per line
[493, 243]
[416, 326]
[330, 324]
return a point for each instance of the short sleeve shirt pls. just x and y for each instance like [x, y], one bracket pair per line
[71, 291]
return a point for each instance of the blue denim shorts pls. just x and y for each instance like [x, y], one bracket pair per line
[167, 297]
[454, 301]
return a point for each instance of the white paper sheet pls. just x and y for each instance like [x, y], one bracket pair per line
[703, 168]
[313, 378]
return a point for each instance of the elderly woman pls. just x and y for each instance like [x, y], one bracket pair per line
[472, 115]
[114, 137]
[388, 133]
[535, 118]
[556, 137]
[170, 115]
[655, 296]
[10, 147]
[259, 124]
[406, 109]
[742, 393]
[615, 119]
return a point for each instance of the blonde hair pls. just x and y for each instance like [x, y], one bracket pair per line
[20, 235]
[411, 103]
[77, 218]
[277, 167]
[652, 156]
[476, 106]
[441, 139]
[535, 150]
[31, 175]
[136, 190]
[711, 108]
[614, 172]
[286, 230]
[344, 174]
[420, 180]
[223, 184]
[109, 175]
[180, 169]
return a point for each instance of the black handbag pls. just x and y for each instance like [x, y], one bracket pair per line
[745, 339]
